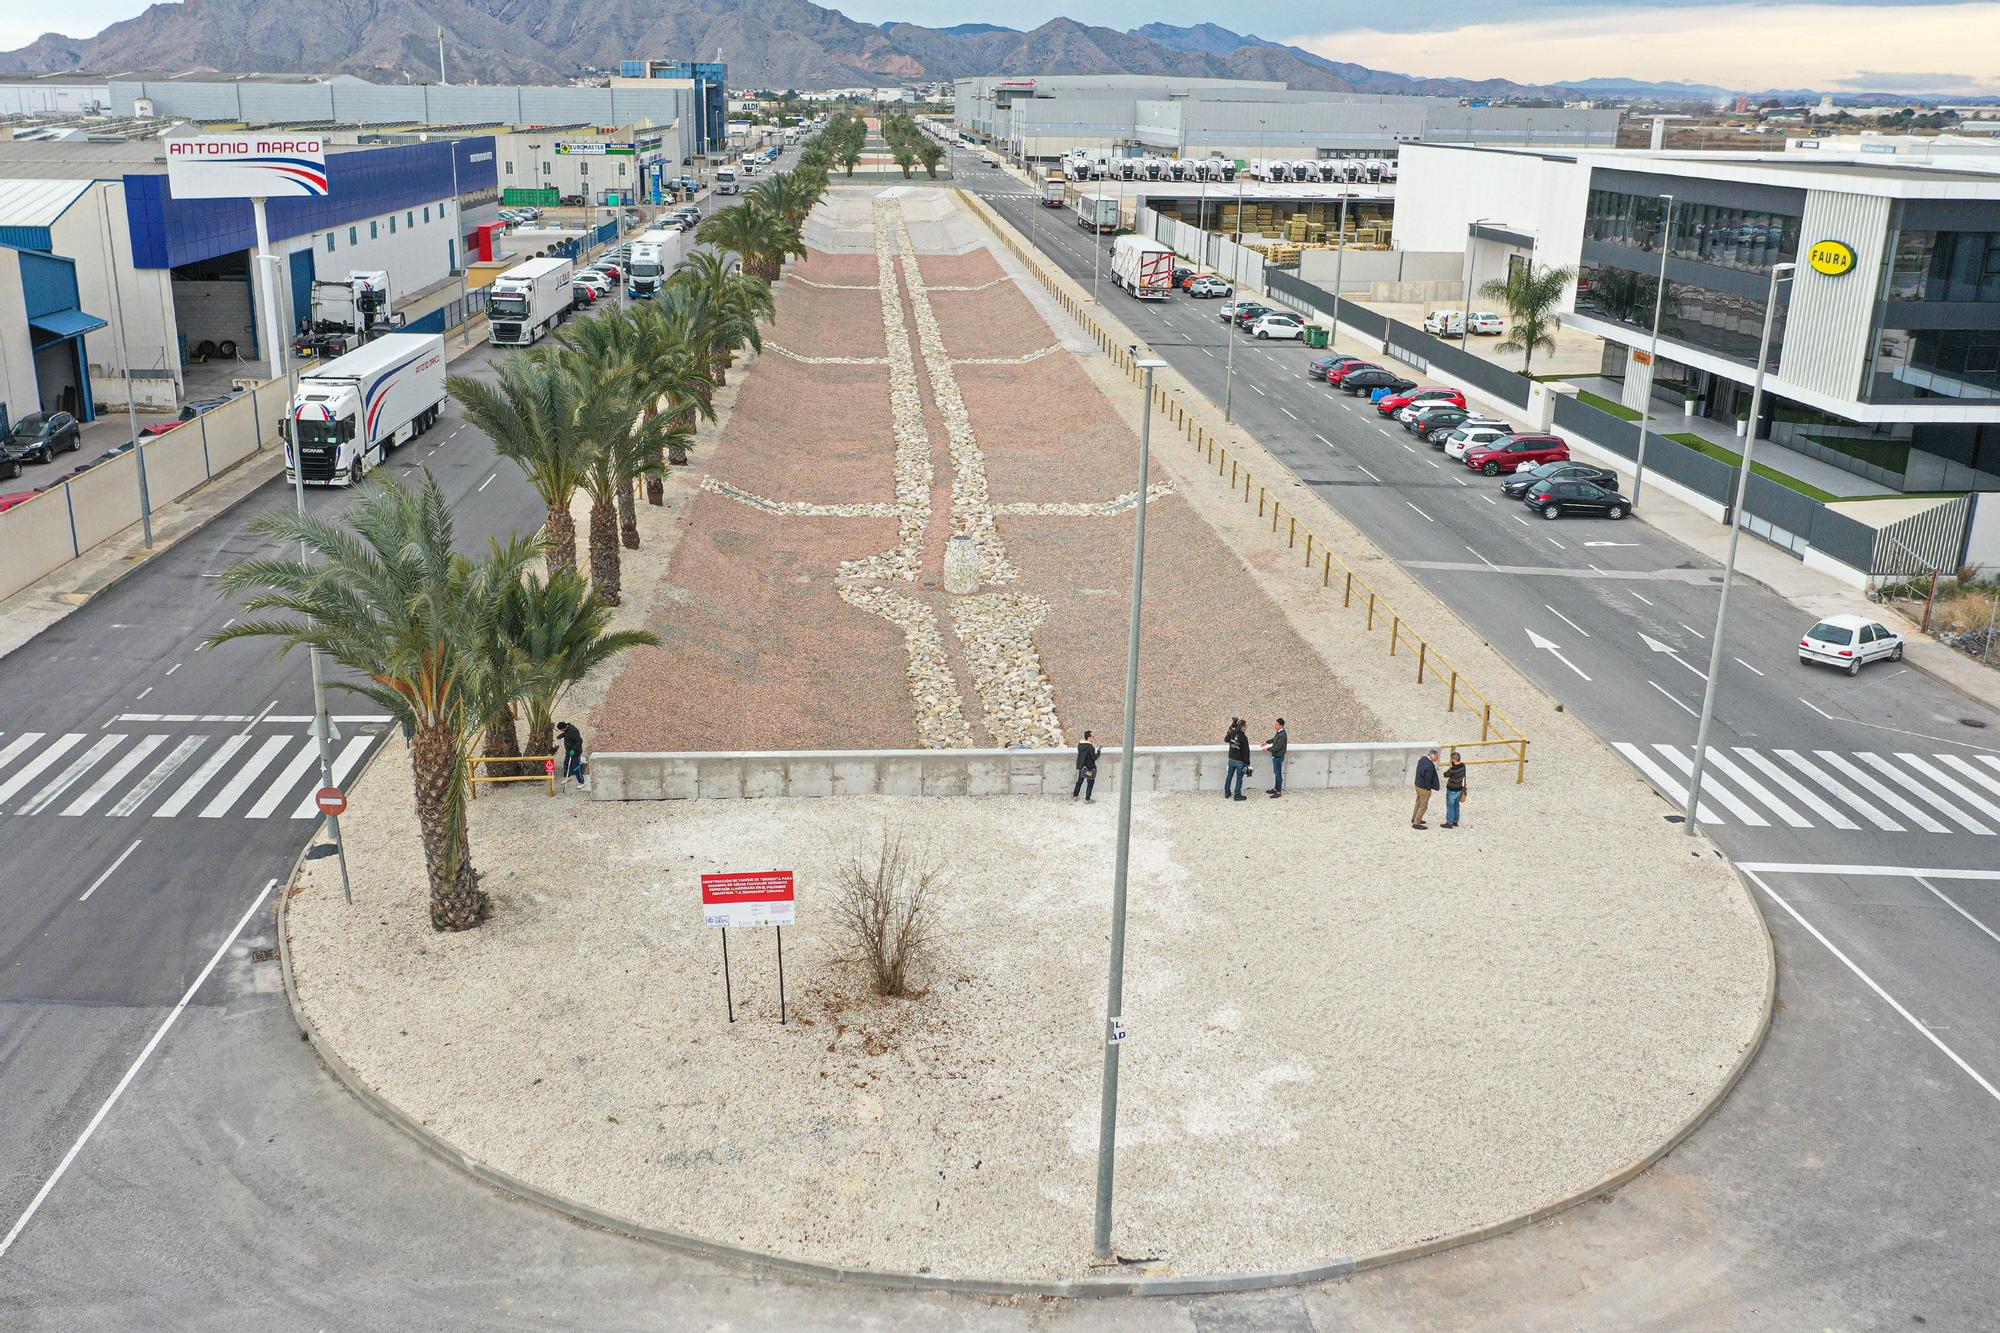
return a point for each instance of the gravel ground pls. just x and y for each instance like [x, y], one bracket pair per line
[1322, 1063]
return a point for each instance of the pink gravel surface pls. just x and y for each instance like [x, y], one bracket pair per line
[966, 270]
[996, 322]
[783, 418]
[1048, 435]
[829, 266]
[819, 322]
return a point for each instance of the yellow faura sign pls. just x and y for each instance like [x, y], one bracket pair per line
[1832, 258]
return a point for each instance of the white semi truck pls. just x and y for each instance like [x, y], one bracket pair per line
[649, 263]
[348, 413]
[1143, 267]
[528, 300]
[725, 180]
[1097, 212]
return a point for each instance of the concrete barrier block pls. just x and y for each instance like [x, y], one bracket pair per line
[719, 779]
[607, 781]
[1349, 768]
[809, 777]
[900, 777]
[858, 777]
[1307, 768]
[943, 780]
[1145, 773]
[988, 777]
[1174, 772]
[762, 778]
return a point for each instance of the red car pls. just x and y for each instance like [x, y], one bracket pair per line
[1390, 404]
[1339, 373]
[1516, 452]
[18, 497]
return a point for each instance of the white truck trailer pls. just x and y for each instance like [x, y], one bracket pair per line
[1055, 188]
[1097, 212]
[528, 300]
[1143, 267]
[648, 268]
[348, 413]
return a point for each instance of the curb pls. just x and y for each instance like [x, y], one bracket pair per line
[1340, 1266]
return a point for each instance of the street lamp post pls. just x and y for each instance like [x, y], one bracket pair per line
[1107, 1118]
[131, 385]
[1653, 366]
[1471, 268]
[1235, 293]
[1779, 272]
[1339, 263]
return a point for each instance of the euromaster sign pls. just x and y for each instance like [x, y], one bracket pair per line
[594, 148]
[1832, 258]
[247, 166]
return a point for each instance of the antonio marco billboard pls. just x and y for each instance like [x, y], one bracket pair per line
[247, 166]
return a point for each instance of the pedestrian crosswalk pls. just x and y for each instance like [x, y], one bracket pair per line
[1896, 792]
[127, 774]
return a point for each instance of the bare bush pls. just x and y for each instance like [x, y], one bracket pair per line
[882, 904]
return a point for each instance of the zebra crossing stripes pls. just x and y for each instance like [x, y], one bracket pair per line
[1893, 793]
[120, 775]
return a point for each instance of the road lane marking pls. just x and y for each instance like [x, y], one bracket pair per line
[488, 482]
[1950, 782]
[1900, 731]
[107, 873]
[1557, 614]
[48, 1186]
[143, 693]
[1674, 701]
[243, 777]
[1489, 499]
[114, 775]
[1323, 440]
[343, 765]
[165, 769]
[1692, 630]
[1427, 517]
[1710, 787]
[1549, 646]
[1662, 780]
[1956, 908]
[1288, 412]
[288, 777]
[1869, 981]
[260, 715]
[1376, 479]
[1489, 563]
[1924, 794]
[1558, 545]
[1812, 800]
[175, 667]
[1648, 603]
[22, 742]
[69, 776]
[1746, 666]
[1867, 809]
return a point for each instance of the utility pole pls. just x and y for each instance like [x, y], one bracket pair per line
[1653, 366]
[1236, 294]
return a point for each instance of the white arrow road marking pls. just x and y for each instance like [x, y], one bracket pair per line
[1611, 543]
[1555, 652]
[1672, 652]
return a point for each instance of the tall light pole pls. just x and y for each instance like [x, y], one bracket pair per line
[1779, 272]
[131, 385]
[1471, 268]
[1653, 366]
[1339, 263]
[1235, 278]
[1114, 1034]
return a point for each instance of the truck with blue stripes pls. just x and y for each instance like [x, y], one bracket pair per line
[350, 412]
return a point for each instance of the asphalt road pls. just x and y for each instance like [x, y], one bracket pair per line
[1848, 1183]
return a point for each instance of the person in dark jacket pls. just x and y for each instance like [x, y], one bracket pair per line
[1086, 769]
[1454, 790]
[1427, 782]
[1280, 739]
[572, 748]
[1238, 741]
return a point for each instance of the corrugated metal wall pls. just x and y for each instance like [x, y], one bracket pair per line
[1828, 326]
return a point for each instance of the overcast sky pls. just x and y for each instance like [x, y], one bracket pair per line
[1860, 45]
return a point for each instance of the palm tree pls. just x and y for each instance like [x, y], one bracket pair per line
[760, 237]
[1531, 296]
[556, 632]
[682, 369]
[788, 195]
[390, 599]
[624, 449]
[930, 152]
[730, 304]
[535, 417]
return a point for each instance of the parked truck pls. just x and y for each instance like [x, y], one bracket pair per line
[1097, 212]
[1143, 267]
[725, 180]
[1055, 187]
[649, 263]
[528, 300]
[349, 412]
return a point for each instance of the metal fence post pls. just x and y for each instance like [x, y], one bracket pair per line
[1451, 700]
[1422, 648]
[1326, 570]
[1371, 611]
[1521, 770]
[1347, 597]
[1486, 722]
[1395, 630]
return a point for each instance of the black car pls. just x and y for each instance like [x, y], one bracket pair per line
[1319, 366]
[1366, 381]
[1443, 416]
[1554, 499]
[1248, 313]
[40, 436]
[1517, 485]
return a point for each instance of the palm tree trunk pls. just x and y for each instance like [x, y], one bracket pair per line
[457, 903]
[560, 529]
[656, 485]
[677, 456]
[604, 551]
[628, 518]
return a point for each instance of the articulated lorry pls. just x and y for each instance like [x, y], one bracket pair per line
[648, 268]
[1143, 267]
[349, 412]
[1097, 212]
[1055, 187]
[725, 180]
[528, 300]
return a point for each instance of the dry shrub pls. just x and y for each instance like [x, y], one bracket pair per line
[883, 902]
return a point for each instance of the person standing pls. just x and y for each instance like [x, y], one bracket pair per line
[1454, 790]
[1427, 782]
[1276, 746]
[1086, 769]
[1238, 741]
[572, 746]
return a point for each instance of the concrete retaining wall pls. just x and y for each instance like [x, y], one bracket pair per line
[624, 776]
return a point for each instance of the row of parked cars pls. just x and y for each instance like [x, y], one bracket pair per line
[1539, 471]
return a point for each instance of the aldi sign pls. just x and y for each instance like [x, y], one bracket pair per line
[247, 166]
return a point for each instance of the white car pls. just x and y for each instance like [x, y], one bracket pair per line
[1445, 323]
[1850, 642]
[596, 283]
[1207, 286]
[1486, 323]
[1278, 326]
[1471, 437]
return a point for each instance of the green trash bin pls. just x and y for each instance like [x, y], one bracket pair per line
[1316, 335]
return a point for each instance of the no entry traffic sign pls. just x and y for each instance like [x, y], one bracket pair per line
[331, 801]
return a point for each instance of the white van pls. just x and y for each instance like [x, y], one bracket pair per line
[1445, 323]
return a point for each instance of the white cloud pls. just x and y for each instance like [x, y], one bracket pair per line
[1734, 45]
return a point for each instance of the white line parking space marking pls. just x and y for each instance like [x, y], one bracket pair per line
[1746, 666]
[48, 1186]
[109, 869]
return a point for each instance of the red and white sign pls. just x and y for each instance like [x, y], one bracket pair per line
[748, 898]
[274, 165]
[331, 801]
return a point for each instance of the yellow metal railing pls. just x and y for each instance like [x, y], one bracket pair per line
[473, 777]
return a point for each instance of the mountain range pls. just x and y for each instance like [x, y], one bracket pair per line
[767, 43]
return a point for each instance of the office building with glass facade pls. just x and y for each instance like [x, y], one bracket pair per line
[709, 127]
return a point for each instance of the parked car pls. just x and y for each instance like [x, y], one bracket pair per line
[1396, 402]
[1277, 324]
[1445, 323]
[1321, 367]
[1358, 382]
[1486, 324]
[1427, 418]
[1518, 485]
[189, 412]
[1554, 499]
[596, 284]
[13, 498]
[10, 466]
[1467, 436]
[613, 271]
[1338, 375]
[1516, 452]
[39, 436]
[1209, 286]
[1850, 642]
[1183, 275]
